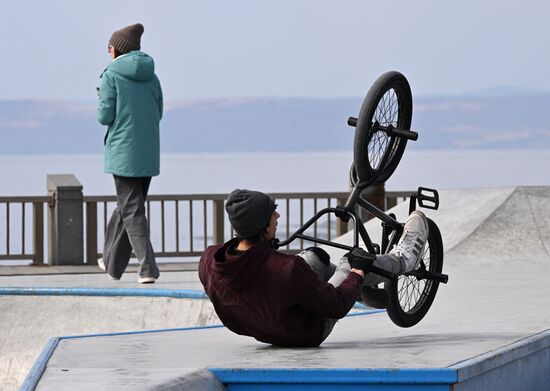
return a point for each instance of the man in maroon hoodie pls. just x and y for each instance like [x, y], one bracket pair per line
[287, 300]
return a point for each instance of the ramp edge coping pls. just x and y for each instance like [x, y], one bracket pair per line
[107, 292]
[486, 362]
[336, 375]
[124, 292]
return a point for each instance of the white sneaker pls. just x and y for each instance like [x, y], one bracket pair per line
[147, 280]
[101, 265]
[410, 246]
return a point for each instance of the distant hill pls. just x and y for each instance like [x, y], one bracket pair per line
[484, 121]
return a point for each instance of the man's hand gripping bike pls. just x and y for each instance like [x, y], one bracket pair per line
[382, 130]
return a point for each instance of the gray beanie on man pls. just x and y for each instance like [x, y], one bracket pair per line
[249, 212]
[128, 38]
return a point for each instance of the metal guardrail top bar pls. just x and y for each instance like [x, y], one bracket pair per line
[218, 197]
[25, 199]
[223, 196]
[210, 220]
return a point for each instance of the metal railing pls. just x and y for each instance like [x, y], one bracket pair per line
[22, 232]
[181, 225]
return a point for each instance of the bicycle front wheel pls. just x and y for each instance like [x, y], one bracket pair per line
[388, 103]
[410, 297]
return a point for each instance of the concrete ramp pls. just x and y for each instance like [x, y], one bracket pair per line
[489, 327]
[28, 322]
[485, 226]
[516, 233]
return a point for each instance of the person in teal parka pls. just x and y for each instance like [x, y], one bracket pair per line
[131, 106]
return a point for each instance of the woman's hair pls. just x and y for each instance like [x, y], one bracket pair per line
[116, 52]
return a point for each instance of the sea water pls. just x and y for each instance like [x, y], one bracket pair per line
[268, 172]
[284, 172]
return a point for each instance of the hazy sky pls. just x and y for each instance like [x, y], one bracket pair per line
[56, 49]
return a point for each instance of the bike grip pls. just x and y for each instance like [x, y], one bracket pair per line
[275, 243]
[408, 134]
[352, 121]
[439, 277]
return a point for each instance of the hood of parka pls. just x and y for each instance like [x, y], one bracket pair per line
[238, 270]
[135, 65]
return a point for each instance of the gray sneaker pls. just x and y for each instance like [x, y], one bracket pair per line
[415, 234]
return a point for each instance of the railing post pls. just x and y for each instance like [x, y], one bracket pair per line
[65, 225]
[91, 233]
[38, 233]
[341, 226]
[391, 202]
[218, 223]
[376, 195]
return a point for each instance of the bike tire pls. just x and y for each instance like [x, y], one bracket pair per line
[353, 175]
[410, 298]
[376, 154]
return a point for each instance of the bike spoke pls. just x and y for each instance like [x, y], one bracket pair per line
[406, 292]
[391, 111]
[386, 113]
[377, 148]
[412, 291]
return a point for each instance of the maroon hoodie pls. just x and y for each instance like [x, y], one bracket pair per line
[273, 297]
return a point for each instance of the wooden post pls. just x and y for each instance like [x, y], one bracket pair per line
[218, 223]
[91, 233]
[341, 226]
[376, 195]
[38, 233]
[391, 202]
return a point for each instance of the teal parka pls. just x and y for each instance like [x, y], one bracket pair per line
[130, 104]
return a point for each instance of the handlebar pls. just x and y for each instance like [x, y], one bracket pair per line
[390, 130]
[352, 121]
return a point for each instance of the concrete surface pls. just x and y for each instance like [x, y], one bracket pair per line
[497, 256]
[77, 304]
[28, 322]
[167, 280]
[478, 313]
[42, 270]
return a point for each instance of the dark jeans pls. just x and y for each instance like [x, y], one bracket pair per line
[128, 229]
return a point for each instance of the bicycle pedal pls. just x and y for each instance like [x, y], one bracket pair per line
[427, 198]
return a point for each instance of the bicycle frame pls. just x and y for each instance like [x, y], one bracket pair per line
[391, 232]
[347, 213]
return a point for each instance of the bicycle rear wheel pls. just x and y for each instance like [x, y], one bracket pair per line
[411, 298]
[388, 102]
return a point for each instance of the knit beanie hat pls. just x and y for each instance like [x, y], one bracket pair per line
[249, 212]
[128, 38]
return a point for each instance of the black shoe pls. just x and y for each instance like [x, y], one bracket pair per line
[375, 297]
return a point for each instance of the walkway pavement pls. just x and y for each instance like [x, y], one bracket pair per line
[172, 277]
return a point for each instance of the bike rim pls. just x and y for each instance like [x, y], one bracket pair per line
[412, 292]
[386, 113]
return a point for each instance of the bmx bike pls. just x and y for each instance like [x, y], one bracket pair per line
[382, 130]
